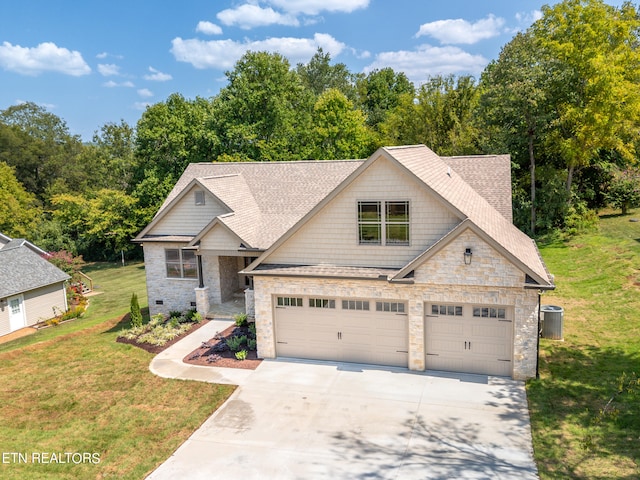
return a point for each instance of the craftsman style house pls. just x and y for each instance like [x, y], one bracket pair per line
[404, 259]
[31, 288]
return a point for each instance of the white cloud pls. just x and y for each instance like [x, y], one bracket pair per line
[314, 7]
[223, 54]
[157, 76]
[248, 16]
[145, 92]
[427, 61]
[208, 28]
[525, 19]
[459, 31]
[112, 84]
[108, 69]
[104, 55]
[46, 57]
[141, 105]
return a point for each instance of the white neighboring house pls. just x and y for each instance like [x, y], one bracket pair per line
[32, 290]
[405, 259]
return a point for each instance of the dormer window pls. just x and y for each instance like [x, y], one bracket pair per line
[199, 194]
[383, 223]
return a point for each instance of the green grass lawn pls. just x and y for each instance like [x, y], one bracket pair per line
[598, 285]
[73, 389]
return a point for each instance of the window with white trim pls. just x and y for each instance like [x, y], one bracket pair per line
[355, 305]
[289, 301]
[383, 223]
[450, 310]
[489, 312]
[397, 307]
[180, 263]
[199, 197]
[322, 303]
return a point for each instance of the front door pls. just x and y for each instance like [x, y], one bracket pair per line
[16, 313]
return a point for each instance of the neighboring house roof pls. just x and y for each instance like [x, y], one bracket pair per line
[6, 241]
[21, 270]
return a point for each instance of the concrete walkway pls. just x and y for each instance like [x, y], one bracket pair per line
[293, 419]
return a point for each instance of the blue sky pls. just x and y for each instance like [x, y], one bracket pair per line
[92, 63]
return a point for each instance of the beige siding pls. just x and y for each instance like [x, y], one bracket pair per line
[187, 218]
[44, 303]
[487, 268]
[219, 238]
[331, 236]
[4, 321]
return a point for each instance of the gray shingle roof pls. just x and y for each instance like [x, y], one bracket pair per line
[22, 270]
[490, 176]
[267, 198]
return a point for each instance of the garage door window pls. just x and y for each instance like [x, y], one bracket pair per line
[289, 302]
[322, 303]
[451, 310]
[488, 312]
[397, 307]
[355, 305]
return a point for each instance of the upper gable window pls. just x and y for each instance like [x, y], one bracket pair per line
[383, 223]
[199, 194]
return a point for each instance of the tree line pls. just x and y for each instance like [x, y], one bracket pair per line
[563, 98]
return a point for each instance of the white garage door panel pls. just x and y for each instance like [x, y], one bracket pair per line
[343, 335]
[464, 343]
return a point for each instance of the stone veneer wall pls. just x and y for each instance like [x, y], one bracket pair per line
[524, 302]
[175, 293]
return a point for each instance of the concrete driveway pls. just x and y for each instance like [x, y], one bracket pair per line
[319, 420]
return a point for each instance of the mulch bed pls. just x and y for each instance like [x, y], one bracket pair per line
[227, 359]
[200, 356]
[157, 349]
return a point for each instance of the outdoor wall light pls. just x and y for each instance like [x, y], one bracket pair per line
[467, 256]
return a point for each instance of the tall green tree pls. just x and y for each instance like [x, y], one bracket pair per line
[441, 117]
[169, 136]
[318, 75]
[591, 57]
[514, 110]
[115, 145]
[339, 130]
[38, 144]
[264, 112]
[381, 91]
[19, 215]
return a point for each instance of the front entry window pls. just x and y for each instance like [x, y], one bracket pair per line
[181, 263]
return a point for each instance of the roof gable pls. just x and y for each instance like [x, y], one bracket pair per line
[265, 198]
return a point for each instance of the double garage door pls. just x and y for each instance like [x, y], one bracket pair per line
[469, 338]
[346, 330]
[458, 338]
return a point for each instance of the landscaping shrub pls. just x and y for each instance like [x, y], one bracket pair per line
[135, 314]
[240, 319]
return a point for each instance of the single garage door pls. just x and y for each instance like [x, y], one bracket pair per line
[344, 330]
[469, 338]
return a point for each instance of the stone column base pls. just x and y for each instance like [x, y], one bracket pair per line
[202, 300]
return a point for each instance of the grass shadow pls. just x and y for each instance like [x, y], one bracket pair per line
[564, 404]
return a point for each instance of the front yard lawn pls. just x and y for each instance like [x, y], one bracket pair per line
[75, 390]
[598, 279]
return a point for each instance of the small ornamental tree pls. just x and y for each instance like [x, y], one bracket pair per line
[624, 190]
[136, 315]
